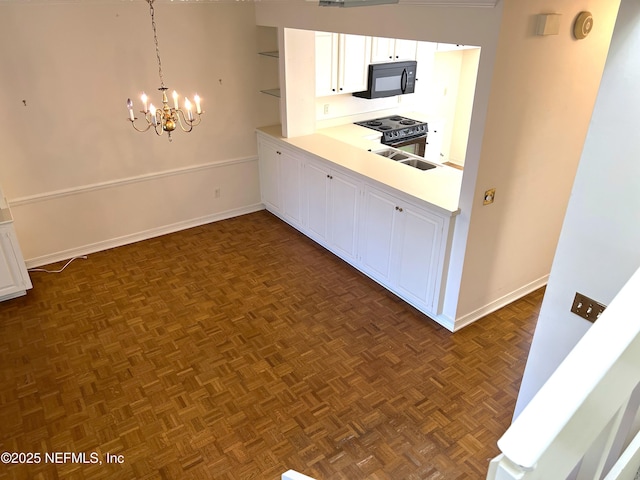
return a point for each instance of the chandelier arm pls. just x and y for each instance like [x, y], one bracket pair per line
[197, 121]
[137, 129]
[182, 121]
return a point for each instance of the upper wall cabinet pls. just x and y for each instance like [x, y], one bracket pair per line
[392, 50]
[341, 63]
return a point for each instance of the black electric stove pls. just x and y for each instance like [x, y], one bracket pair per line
[396, 129]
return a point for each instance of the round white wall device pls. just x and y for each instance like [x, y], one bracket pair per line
[583, 25]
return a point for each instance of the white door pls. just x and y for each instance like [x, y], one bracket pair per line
[415, 257]
[405, 50]
[355, 52]
[343, 214]
[326, 64]
[382, 49]
[10, 280]
[269, 162]
[291, 187]
[316, 178]
[376, 233]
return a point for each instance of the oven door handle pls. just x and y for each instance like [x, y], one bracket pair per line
[403, 81]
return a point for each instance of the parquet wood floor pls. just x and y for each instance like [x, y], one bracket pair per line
[240, 349]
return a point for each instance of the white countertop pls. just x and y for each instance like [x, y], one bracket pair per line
[347, 146]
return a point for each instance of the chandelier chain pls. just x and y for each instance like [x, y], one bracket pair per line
[155, 39]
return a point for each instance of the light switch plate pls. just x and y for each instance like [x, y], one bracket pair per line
[587, 308]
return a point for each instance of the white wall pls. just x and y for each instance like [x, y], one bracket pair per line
[464, 104]
[77, 175]
[599, 245]
[542, 95]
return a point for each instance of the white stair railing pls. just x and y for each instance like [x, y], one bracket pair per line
[584, 422]
[293, 475]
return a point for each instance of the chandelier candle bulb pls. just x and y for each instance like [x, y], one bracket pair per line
[143, 97]
[197, 100]
[130, 107]
[187, 105]
[175, 100]
[154, 118]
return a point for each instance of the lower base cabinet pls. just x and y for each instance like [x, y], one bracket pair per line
[331, 208]
[400, 243]
[14, 278]
[400, 246]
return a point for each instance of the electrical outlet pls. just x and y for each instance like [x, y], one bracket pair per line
[587, 308]
[326, 109]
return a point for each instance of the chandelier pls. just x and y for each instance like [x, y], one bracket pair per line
[165, 118]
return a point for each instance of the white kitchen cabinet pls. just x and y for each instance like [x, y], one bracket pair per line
[392, 50]
[269, 164]
[331, 203]
[14, 278]
[342, 62]
[394, 238]
[280, 180]
[400, 246]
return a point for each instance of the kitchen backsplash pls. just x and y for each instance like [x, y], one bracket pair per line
[339, 109]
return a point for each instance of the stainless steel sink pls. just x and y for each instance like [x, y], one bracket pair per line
[419, 164]
[405, 158]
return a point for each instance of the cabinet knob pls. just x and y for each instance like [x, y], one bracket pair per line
[398, 208]
[278, 152]
[333, 89]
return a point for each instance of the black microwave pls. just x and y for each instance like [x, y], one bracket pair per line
[389, 79]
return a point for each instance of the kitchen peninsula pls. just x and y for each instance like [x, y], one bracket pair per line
[389, 220]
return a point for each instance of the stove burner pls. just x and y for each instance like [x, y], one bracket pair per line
[374, 123]
[385, 127]
[395, 118]
[407, 122]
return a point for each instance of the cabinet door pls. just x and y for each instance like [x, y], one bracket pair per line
[11, 280]
[326, 64]
[316, 178]
[269, 163]
[343, 214]
[405, 50]
[355, 52]
[382, 49]
[416, 246]
[291, 187]
[376, 233]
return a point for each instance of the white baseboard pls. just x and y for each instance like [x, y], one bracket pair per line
[446, 322]
[136, 237]
[499, 303]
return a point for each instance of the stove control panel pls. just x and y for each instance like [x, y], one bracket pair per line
[405, 133]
